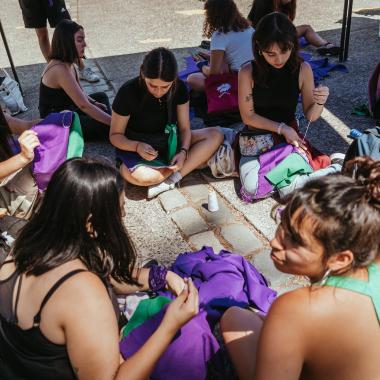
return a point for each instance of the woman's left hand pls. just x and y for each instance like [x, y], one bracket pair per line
[320, 94]
[178, 161]
[174, 283]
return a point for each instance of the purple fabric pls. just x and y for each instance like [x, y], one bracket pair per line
[157, 277]
[222, 280]
[191, 67]
[53, 133]
[186, 357]
[268, 161]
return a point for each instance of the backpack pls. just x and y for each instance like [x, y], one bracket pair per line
[368, 144]
[374, 93]
[10, 94]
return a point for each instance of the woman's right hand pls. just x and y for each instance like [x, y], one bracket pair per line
[291, 136]
[146, 151]
[28, 141]
[183, 308]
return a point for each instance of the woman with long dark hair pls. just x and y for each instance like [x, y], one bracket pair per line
[329, 232]
[60, 88]
[18, 190]
[231, 37]
[260, 8]
[269, 89]
[57, 315]
[143, 108]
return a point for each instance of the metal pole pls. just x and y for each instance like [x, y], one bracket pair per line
[9, 56]
[348, 30]
[343, 32]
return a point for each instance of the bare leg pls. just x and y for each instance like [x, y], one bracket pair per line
[241, 331]
[43, 41]
[196, 81]
[144, 176]
[204, 143]
[311, 35]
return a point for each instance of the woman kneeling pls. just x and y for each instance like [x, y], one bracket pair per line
[144, 111]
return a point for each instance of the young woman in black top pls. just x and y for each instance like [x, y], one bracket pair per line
[141, 110]
[60, 88]
[57, 319]
[269, 89]
[260, 8]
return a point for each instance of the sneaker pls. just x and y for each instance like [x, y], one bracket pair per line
[88, 75]
[337, 158]
[155, 190]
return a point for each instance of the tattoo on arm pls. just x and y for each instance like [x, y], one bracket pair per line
[249, 98]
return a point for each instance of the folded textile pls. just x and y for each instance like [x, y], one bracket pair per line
[287, 170]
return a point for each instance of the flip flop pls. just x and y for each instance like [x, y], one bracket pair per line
[329, 50]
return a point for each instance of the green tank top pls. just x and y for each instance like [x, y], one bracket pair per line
[370, 288]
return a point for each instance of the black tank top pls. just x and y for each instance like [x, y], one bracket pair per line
[54, 99]
[28, 354]
[277, 99]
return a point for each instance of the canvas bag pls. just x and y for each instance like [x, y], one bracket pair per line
[222, 93]
[10, 94]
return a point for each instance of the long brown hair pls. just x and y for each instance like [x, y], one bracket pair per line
[5, 135]
[261, 8]
[223, 16]
[274, 28]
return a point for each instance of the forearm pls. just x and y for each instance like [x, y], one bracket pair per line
[142, 363]
[185, 135]
[118, 140]
[12, 165]
[96, 113]
[17, 126]
[314, 111]
[256, 121]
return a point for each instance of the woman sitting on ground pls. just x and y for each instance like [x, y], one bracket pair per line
[60, 88]
[269, 89]
[18, 189]
[231, 37]
[142, 109]
[57, 315]
[260, 8]
[329, 232]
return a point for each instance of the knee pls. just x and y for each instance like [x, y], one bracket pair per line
[230, 319]
[142, 177]
[215, 135]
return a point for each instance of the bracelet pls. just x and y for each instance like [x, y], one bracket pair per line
[321, 104]
[157, 277]
[184, 150]
[279, 128]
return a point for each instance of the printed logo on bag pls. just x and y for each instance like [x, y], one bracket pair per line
[224, 89]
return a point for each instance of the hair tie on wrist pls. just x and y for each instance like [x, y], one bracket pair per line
[321, 104]
[279, 128]
[184, 150]
[157, 277]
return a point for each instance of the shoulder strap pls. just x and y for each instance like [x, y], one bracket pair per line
[37, 318]
[48, 68]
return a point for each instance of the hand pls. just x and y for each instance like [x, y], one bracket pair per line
[28, 141]
[146, 151]
[174, 283]
[320, 94]
[291, 136]
[183, 308]
[178, 161]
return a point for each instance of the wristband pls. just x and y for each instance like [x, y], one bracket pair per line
[157, 277]
[279, 128]
[321, 104]
[184, 150]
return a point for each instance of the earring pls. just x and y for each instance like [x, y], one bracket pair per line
[260, 52]
[325, 277]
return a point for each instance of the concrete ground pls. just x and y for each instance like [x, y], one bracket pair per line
[118, 34]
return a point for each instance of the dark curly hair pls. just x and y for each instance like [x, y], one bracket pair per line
[342, 210]
[223, 16]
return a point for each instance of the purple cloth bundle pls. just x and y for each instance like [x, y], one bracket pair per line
[53, 133]
[223, 281]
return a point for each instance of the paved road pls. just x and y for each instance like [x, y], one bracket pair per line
[118, 33]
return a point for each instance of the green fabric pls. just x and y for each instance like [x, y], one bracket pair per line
[171, 130]
[76, 143]
[287, 170]
[146, 309]
[370, 288]
[361, 110]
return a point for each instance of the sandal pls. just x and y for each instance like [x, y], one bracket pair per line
[329, 50]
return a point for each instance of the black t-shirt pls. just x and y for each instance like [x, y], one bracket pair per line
[147, 114]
